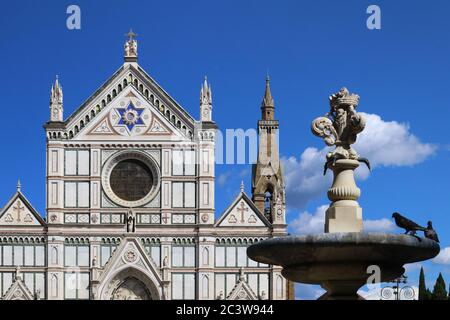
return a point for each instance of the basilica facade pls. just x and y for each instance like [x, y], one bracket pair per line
[130, 210]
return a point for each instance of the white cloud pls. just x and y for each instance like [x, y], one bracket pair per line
[380, 225]
[309, 223]
[222, 179]
[312, 223]
[443, 257]
[384, 143]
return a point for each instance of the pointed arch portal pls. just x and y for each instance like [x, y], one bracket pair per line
[131, 284]
[131, 289]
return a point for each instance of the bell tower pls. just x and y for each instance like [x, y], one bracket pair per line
[268, 186]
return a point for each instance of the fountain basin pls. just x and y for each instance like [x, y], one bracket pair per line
[339, 261]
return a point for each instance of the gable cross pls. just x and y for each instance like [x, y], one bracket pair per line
[18, 208]
[242, 211]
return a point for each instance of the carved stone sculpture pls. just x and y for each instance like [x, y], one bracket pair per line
[339, 128]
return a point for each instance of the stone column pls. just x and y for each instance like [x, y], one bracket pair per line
[344, 213]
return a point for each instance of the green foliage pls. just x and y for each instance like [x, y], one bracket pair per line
[423, 291]
[440, 289]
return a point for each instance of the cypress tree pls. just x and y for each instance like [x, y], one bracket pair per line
[440, 289]
[423, 292]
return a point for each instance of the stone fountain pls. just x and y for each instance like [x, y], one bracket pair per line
[342, 259]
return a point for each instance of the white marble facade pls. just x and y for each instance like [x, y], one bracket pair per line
[130, 206]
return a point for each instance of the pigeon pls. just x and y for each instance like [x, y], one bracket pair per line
[404, 223]
[430, 233]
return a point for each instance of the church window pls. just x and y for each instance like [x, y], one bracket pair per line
[224, 283]
[173, 119]
[131, 180]
[76, 285]
[76, 194]
[76, 255]
[183, 256]
[220, 256]
[183, 194]
[183, 162]
[114, 93]
[22, 255]
[234, 254]
[35, 282]
[183, 286]
[154, 251]
[231, 256]
[18, 255]
[106, 251]
[258, 282]
[77, 162]
[268, 204]
[6, 280]
[7, 256]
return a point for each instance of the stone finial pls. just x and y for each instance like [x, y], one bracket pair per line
[206, 101]
[131, 48]
[242, 186]
[56, 102]
[19, 185]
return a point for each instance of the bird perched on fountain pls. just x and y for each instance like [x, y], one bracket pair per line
[430, 233]
[410, 226]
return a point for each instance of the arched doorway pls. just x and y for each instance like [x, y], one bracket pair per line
[131, 289]
[130, 284]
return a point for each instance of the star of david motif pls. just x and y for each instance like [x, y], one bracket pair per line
[130, 116]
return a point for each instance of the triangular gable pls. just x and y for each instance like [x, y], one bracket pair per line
[147, 122]
[242, 213]
[109, 94]
[242, 291]
[130, 253]
[18, 291]
[19, 212]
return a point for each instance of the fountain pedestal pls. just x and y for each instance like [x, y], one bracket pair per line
[344, 213]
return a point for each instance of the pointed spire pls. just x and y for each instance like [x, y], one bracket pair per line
[206, 101]
[130, 48]
[19, 186]
[56, 101]
[268, 100]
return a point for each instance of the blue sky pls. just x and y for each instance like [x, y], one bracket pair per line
[310, 48]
